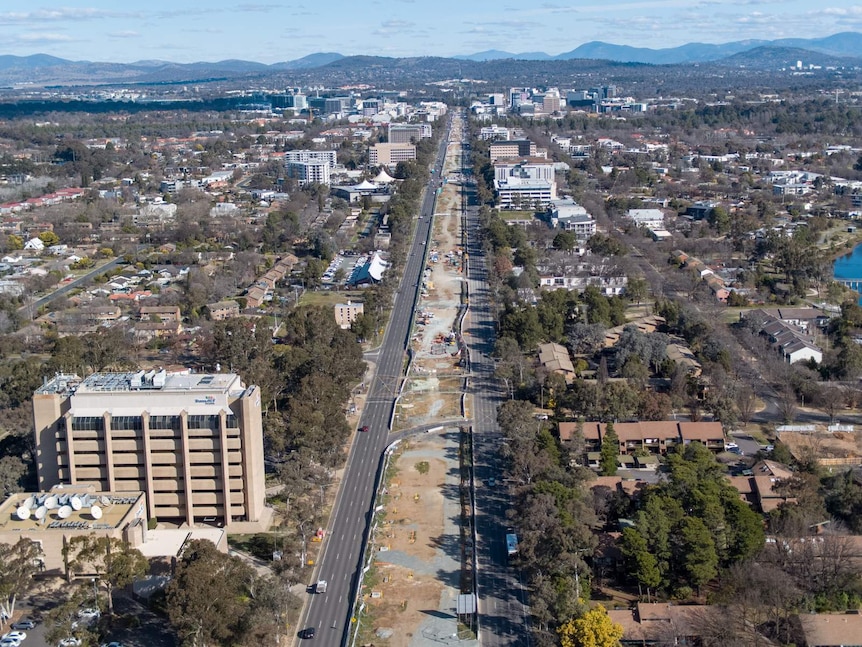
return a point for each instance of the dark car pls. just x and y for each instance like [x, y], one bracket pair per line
[25, 625]
[307, 634]
[363, 428]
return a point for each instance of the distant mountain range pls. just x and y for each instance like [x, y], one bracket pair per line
[845, 44]
[844, 49]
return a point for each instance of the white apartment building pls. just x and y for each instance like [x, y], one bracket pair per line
[649, 218]
[309, 172]
[329, 157]
[568, 215]
[524, 183]
[494, 132]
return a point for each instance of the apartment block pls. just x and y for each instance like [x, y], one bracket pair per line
[512, 148]
[193, 443]
[407, 133]
[387, 154]
[311, 172]
[330, 157]
[346, 313]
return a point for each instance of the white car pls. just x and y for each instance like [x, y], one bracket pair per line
[15, 635]
[9, 642]
[70, 642]
[89, 612]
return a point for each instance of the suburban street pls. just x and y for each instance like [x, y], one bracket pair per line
[503, 618]
[342, 554]
[32, 307]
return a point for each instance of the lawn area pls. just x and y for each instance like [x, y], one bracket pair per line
[505, 214]
[326, 298]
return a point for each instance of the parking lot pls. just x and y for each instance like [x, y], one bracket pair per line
[134, 625]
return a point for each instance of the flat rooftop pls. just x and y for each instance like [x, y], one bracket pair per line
[69, 508]
[170, 542]
[153, 380]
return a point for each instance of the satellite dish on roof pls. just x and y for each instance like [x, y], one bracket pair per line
[51, 502]
[41, 511]
[30, 503]
[96, 512]
[23, 513]
[64, 512]
[63, 500]
[75, 502]
[104, 500]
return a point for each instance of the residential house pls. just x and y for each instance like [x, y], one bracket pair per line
[223, 310]
[682, 355]
[555, 359]
[664, 623]
[647, 324]
[790, 341]
[255, 296]
[163, 314]
[34, 244]
[831, 630]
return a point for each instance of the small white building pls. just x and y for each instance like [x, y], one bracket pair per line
[34, 244]
[649, 218]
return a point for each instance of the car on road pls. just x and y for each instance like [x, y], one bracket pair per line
[24, 623]
[307, 634]
[14, 635]
[363, 428]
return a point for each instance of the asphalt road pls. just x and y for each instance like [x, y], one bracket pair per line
[503, 615]
[343, 549]
[33, 307]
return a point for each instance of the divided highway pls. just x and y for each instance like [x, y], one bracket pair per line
[341, 558]
[503, 615]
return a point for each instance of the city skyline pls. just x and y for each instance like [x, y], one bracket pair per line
[180, 32]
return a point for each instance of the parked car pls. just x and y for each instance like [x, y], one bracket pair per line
[15, 635]
[24, 623]
[9, 642]
[112, 644]
[71, 641]
[89, 613]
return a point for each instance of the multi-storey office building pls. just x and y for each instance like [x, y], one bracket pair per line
[192, 442]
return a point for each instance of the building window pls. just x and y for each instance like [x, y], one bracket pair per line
[127, 423]
[88, 423]
[165, 422]
[230, 422]
[203, 422]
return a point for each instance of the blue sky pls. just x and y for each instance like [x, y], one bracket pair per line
[211, 30]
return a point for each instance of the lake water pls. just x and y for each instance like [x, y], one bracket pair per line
[849, 266]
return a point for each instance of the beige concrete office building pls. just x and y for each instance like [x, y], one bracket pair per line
[193, 443]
